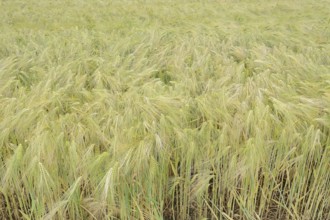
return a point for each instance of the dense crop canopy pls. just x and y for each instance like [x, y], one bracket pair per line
[164, 109]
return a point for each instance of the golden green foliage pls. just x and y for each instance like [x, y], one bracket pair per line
[164, 109]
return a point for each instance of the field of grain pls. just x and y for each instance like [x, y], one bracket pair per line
[165, 109]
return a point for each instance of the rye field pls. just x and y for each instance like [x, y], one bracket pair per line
[170, 110]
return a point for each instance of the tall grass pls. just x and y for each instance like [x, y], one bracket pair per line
[164, 109]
